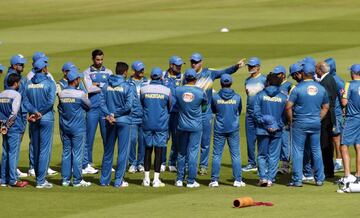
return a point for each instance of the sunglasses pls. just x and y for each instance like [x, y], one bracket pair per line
[194, 62]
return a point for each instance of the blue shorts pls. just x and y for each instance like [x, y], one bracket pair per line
[351, 132]
[156, 139]
[339, 125]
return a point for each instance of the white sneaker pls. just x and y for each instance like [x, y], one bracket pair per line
[46, 184]
[214, 184]
[82, 183]
[51, 172]
[157, 183]
[239, 184]
[308, 179]
[194, 185]
[112, 169]
[179, 183]
[90, 170]
[31, 172]
[146, 182]
[124, 184]
[172, 169]
[21, 174]
[141, 168]
[65, 183]
[162, 168]
[132, 169]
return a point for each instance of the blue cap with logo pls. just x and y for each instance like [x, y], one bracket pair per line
[196, 57]
[138, 66]
[279, 69]
[190, 74]
[73, 74]
[308, 68]
[295, 68]
[308, 60]
[98, 77]
[156, 73]
[254, 61]
[37, 55]
[68, 66]
[355, 68]
[17, 59]
[270, 122]
[40, 64]
[2, 68]
[226, 79]
[176, 60]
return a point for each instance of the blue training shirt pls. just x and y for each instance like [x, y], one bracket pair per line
[253, 85]
[10, 101]
[352, 94]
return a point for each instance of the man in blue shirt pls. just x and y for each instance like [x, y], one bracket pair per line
[156, 102]
[192, 102]
[253, 85]
[205, 78]
[226, 105]
[116, 104]
[173, 78]
[41, 92]
[351, 132]
[307, 105]
[11, 129]
[73, 103]
[137, 80]
[63, 82]
[95, 77]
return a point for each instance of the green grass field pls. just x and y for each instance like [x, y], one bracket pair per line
[277, 31]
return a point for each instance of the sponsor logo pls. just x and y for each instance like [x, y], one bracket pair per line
[312, 90]
[188, 97]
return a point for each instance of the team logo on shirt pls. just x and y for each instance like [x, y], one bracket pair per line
[188, 97]
[312, 90]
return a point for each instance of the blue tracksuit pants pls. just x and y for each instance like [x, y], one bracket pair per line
[10, 152]
[41, 140]
[72, 156]
[93, 117]
[120, 132]
[299, 139]
[285, 146]
[173, 124]
[189, 143]
[268, 156]
[233, 140]
[250, 137]
[136, 138]
[205, 139]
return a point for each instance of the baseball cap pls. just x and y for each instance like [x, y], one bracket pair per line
[294, 68]
[355, 68]
[226, 79]
[74, 74]
[138, 66]
[308, 68]
[176, 60]
[308, 60]
[279, 69]
[37, 55]
[2, 68]
[40, 64]
[98, 77]
[254, 61]
[196, 57]
[190, 73]
[17, 59]
[270, 122]
[68, 66]
[156, 73]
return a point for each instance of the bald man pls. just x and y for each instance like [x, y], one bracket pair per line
[324, 77]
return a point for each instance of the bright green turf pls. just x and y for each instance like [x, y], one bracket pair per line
[279, 32]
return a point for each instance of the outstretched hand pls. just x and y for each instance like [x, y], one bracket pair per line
[241, 63]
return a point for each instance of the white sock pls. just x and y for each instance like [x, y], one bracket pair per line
[339, 161]
[147, 175]
[156, 176]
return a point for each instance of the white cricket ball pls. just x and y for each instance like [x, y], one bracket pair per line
[224, 30]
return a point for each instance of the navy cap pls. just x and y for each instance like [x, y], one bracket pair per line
[196, 57]
[99, 77]
[176, 60]
[254, 61]
[190, 74]
[37, 55]
[68, 66]
[40, 64]
[226, 79]
[138, 66]
[2, 68]
[156, 73]
[73, 75]
[294, 68]
[17, 59]
[279, 69]
[355, 68]
[308, 68]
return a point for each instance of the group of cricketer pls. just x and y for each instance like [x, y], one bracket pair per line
[141, 115]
